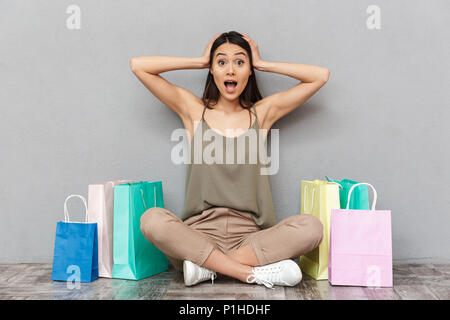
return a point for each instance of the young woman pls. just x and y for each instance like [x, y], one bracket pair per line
[228, 224]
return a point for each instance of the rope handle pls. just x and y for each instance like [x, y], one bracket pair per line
[66, 212]
[329, 180]
[367, 184]
[312, 201]
[154, 196]
[304, 197]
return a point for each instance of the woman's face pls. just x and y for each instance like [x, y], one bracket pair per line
[230, 63]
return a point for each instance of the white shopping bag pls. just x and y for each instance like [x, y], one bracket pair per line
[101, 210]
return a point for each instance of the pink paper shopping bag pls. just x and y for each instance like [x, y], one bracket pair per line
[360, 246]
[101, 211]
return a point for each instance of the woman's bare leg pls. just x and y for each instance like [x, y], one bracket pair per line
[244, 255]
[219, 262]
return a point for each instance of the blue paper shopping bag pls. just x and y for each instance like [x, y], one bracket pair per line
[75, 257]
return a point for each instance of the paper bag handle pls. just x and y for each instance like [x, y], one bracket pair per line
[304, 197]
[312, 202]
[367, 184]
[66, 213]
[112, 182]
[329, 180]
[143, 200]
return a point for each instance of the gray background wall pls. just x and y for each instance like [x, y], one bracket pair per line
[72, 113]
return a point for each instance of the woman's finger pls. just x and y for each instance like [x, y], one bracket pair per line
[249, 40]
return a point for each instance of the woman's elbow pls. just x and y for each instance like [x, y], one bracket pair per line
[326, 75]
[133, 64]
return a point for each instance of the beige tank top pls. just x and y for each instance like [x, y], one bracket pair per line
[231, 184]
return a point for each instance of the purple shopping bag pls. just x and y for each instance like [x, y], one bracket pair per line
[360, 246]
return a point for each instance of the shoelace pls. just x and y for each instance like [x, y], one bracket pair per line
[205, 273]
[266, 276]
[259, 280]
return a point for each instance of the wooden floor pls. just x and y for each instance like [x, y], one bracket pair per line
[32, 281]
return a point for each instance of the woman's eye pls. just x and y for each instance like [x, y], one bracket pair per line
[222, 62]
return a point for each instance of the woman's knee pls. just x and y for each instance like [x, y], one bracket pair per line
[311, 232]
[153, 224]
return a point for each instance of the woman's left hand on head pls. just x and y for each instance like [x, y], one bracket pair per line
[256, 57]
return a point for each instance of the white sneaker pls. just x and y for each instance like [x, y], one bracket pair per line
[282, 273]
[194, 274]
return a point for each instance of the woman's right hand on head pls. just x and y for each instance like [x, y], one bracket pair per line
[206, 54]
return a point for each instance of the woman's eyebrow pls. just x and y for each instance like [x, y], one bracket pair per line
[220, 53]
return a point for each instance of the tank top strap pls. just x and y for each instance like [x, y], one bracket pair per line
[254, 109]
[256, 116]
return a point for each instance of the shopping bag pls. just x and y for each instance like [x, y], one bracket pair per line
[75, 257]
[360, 246]
[134, 256]
[360, 198]
[318, 198]
[101, 211]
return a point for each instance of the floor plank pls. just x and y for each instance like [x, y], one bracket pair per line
[33, 281]
[223, 288]
[440, 290]
[381, 294]
[414, 292]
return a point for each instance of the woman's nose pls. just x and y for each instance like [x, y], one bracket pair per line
[230, 69]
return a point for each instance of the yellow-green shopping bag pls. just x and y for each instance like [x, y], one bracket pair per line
[318, 198]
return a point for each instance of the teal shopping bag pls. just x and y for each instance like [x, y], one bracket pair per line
[134, 256]
[360, 194]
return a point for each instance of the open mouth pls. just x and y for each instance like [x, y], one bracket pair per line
[231, 86]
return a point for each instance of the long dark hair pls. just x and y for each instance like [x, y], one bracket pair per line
[251, 92]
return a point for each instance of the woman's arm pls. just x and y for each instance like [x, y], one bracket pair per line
[159, 64]
[303, 72]
[278, 105]
[180, 100]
